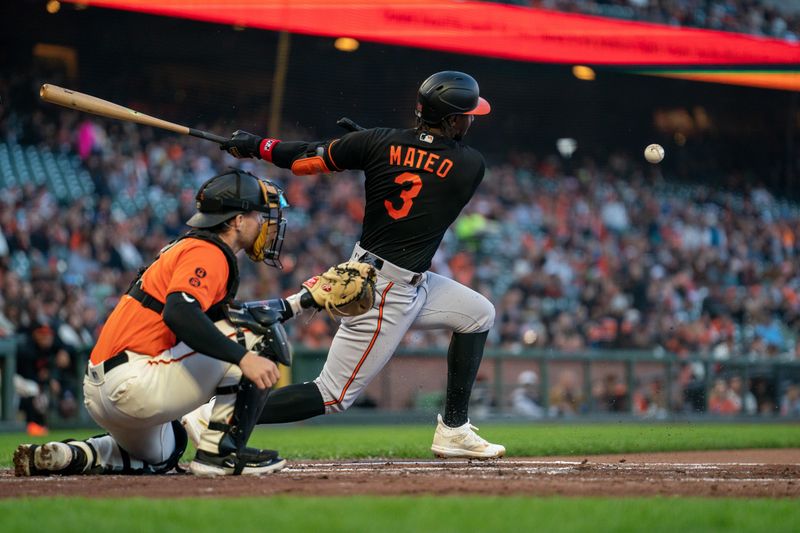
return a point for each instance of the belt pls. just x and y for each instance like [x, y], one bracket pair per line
[389, 269]
[112, 362]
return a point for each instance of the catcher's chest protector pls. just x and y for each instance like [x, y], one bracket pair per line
[216, 311]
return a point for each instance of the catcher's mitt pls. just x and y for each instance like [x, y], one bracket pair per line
[347, 289]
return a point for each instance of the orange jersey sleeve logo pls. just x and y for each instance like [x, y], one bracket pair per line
[201, 271]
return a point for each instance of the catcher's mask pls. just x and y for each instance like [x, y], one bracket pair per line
[449, 93]
[237, 191]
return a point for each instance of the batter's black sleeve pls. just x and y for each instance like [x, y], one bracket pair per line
[285, 152]
[192, 326]
[349, 151]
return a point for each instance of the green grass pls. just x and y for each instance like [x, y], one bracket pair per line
[433, 513]
[414, 514]
[521, 440]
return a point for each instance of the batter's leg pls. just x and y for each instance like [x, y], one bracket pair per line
[360, 349]
[364, 344]
[464, 357]
[451, 305]
[292, 403]
[455, 307]
[469, 315]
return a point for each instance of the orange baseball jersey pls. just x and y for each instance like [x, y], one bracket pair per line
[193, 266]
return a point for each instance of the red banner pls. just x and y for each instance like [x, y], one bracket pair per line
[485, 29]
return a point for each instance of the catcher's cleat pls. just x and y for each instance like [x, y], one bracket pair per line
[51, 458]
[196, 422]
[257, 462]
[463, 442]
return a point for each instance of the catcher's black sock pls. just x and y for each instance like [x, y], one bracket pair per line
[293, 403]
[463, 359]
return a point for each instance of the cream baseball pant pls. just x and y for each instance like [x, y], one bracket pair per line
[137, 401]
[403, 300]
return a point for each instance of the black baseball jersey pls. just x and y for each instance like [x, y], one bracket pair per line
[416, 184]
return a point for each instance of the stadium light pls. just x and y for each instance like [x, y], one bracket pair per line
[346, 44]
[582, 72]
[566, 146]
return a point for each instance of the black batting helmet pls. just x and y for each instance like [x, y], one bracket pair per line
[449, 93]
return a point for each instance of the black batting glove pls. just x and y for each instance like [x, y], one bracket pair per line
[243, 144]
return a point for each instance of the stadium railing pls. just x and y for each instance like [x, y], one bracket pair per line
[8, 354]
[414, 380]
[413, 373]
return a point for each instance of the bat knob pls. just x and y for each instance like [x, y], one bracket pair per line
[348, 124]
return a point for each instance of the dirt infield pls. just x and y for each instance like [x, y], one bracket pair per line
[742, 473]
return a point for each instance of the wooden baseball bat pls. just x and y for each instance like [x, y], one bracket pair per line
[97, 106]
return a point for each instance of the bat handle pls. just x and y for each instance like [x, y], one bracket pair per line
[207, 136]
[349, 125]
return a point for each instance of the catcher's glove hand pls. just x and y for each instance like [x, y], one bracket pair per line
[347, 289]
[242, 144]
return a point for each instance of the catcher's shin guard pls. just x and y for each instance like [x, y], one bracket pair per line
[232, 422]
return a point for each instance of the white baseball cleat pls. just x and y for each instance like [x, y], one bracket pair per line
[50, 458]
[463, 442]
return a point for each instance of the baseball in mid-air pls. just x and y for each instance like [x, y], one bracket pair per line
[654, 153]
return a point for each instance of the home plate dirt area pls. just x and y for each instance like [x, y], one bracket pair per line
[739, 473]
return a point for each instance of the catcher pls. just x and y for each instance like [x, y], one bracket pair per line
[177, 338]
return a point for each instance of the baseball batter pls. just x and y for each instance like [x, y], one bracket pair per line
[176, 339]
[417, 181]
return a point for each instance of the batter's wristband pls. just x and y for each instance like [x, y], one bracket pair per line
[266, 147]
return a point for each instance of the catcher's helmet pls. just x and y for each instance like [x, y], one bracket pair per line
[449, 93]
[226, 195]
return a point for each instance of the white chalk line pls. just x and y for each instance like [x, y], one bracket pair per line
[476, 463]
[599, 472]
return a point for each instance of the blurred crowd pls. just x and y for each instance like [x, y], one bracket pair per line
[725, 393]
[576, 255]
[754, 17]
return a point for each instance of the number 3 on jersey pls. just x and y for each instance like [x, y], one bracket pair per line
[407, 195]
